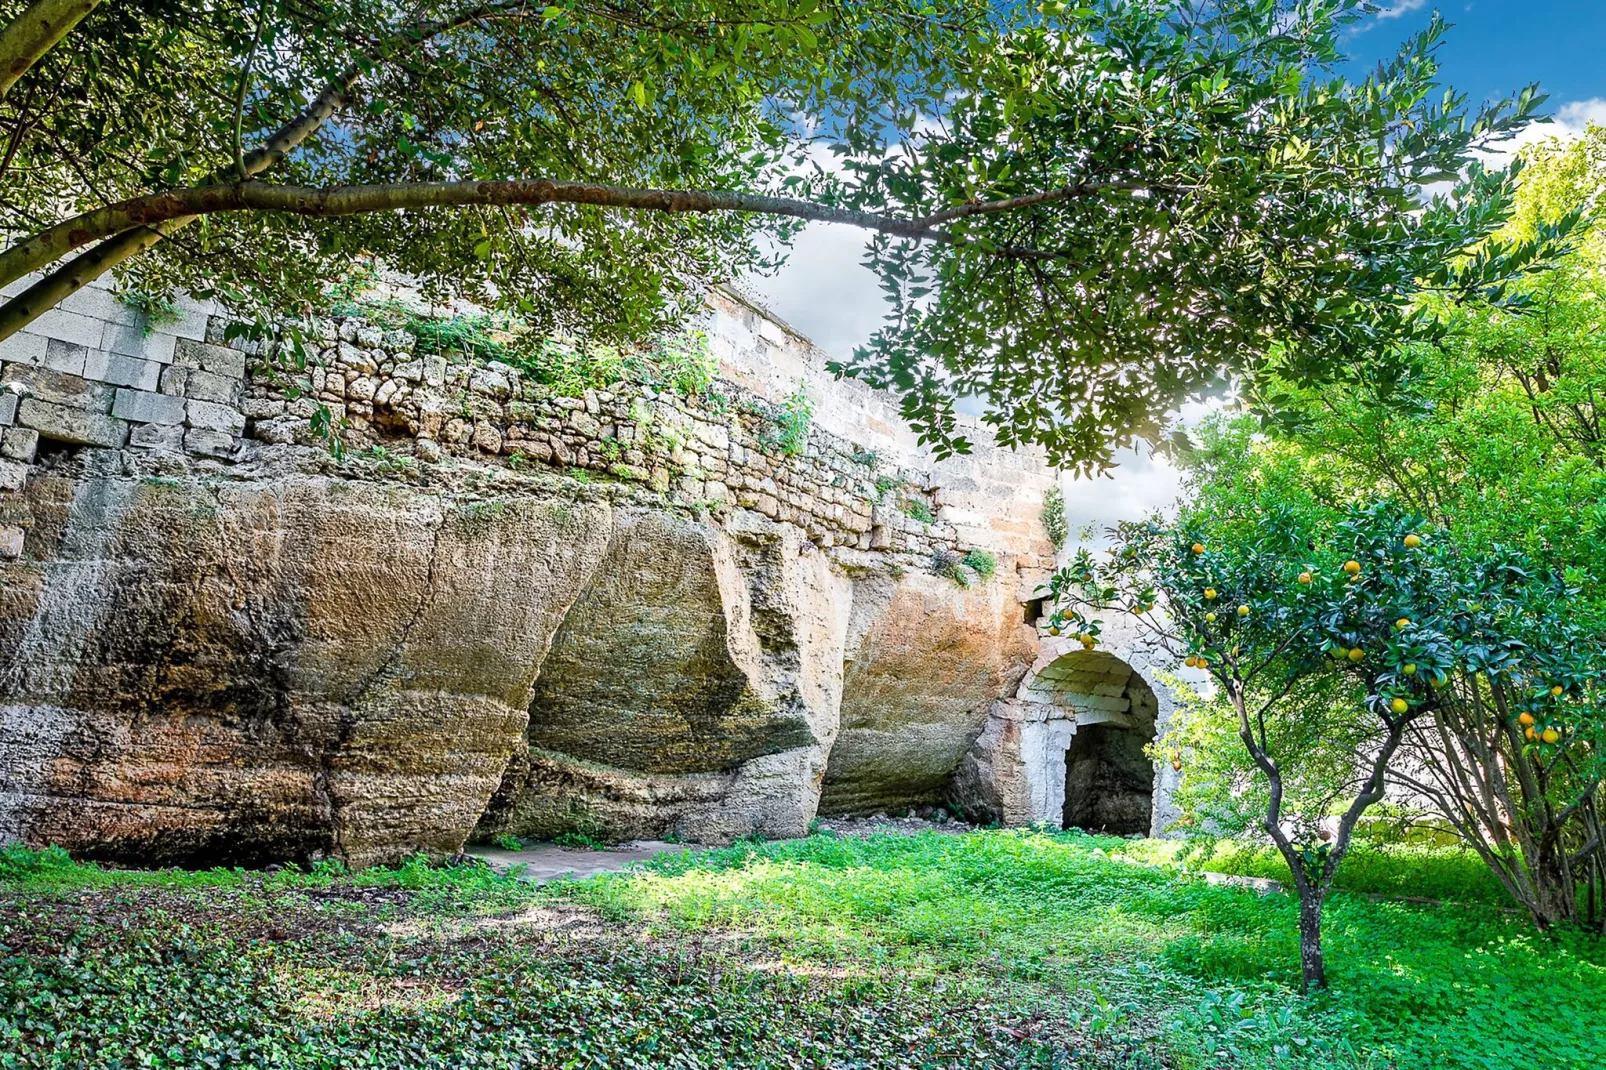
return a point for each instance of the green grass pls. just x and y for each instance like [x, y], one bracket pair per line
[994, 949]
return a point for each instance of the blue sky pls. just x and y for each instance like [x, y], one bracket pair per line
[1497, 46]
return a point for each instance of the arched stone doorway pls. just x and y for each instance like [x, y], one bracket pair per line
[1069, 748]
[1109, 781]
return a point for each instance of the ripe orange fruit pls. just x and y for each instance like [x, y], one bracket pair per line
[1555, 691]
[1210, 593]
[1176, 763]
[1243, 611]
[1525, 719]
[1198, 547]
[1413, 541]
[1529, 733]
[1399, 705]
[1352, 567]
[1356, 653]
[1403, 623]
[1550, 735]
[1305, 577]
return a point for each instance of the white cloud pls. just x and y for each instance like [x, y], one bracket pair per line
[824, 290]
[1404, 7]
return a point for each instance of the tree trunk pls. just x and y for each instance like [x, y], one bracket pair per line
[1313, 972]
[1555, 901]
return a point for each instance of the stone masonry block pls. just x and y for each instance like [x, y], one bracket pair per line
[100, 303]
[120, 370]
[203, 385]
[214, 417]
[13, 474]
[219, 360]
[60, 388]
[19, 444]
[65, 357]
[24, 347]
[175, 377]
[144, 407]
[156, 437]
[8, 408]
[139, 340]
[71, 425]
[86, 331]
[11, 542]
[207, 442]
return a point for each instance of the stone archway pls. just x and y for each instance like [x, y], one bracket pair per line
[1109, 782]
[1068, 749]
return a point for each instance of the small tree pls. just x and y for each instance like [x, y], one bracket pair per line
[1326, 632]
[1514, 751]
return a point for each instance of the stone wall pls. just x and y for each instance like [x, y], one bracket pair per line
[627, 613]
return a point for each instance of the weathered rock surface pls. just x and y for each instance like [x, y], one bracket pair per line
[265, 661]
[926, 660]
[235, 671]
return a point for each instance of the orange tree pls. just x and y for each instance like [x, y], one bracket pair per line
[1332, 637]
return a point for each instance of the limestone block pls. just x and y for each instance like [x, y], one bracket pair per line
[120, 370]
[167, 437]
[262, 408]
[214, 417]
[209, 443]
[59, 324]
[65, 357]
[8, 408]
[146, 407]
[173, 380]
[19, 444]
[139, 340]
[71, 424]
[203, 385]
[24, 347]
[220, 360]
[11, 542]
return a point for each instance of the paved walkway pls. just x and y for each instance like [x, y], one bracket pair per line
[544, 861]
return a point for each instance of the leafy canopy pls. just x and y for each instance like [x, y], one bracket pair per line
[1084, 215]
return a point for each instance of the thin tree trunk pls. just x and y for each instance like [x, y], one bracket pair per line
[1312, 968]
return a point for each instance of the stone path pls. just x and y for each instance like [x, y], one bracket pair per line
[544, 861]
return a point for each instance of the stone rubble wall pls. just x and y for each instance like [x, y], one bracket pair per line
[95, 373]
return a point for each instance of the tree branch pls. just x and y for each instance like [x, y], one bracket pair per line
[34, 32]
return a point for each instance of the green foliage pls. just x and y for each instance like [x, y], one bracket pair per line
[917, 509]
[1283, 203]
[1054, 518]
[788, 433]
[927, 950]
[508, 842]
[982, 562]
[579, 839]
[1110, 938]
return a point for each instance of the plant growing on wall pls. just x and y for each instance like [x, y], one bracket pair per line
[595, 167]
[788, 433]
[1054, 518]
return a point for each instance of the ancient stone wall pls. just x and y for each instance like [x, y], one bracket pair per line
[627, 613]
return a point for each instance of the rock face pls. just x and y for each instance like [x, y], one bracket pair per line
[623, 614]
[693, 689]
[196, 671]
[926, 661]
